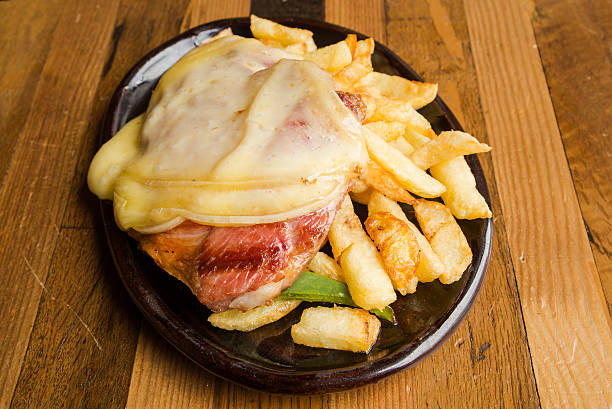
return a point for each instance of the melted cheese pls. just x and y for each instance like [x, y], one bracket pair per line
[235, 133]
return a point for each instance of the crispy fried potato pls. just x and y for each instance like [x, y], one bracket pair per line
[347, 329]
[364, 48]
[251, 319]
[418, 138]
[359, 186]
[362, 197]
[418, 94]
[445, 237]
[461, 196]
[398, 249]
[399, 111]
[326, 266]
[382, 181]
[351, 41]
[345, 229]
[446, 146]
[403, 146]
[365, 276]
[263, 29]
[332, 58]
[430, 266]
[411, 177]
[389, 131]
[347, 76]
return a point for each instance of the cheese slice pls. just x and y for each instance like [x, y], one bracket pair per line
[236, 133]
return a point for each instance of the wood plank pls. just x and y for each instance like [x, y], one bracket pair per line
[84, 339]
[367, 17]
[312, 9]
[130, 41]
[161, 377]
[490, 346]
[567, 321]
[580, 84]
[25, 46]
[33, 197]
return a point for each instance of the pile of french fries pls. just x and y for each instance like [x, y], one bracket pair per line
[391, 254]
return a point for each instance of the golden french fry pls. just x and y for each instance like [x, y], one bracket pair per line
[331, 58]
[345, 229]
[418, 94]
[251, 319]
[411, 177]
[347, 76]
[398, 249]
[351, 41]
[403, 146]
[446, 146]
[365, 276]
[382, 181]
[326, 266]
[461, 196]
[343, 328]
[361, 197]
[445, 237]
[263, 29]
[399, 111]
[389, 131]
[430, 267]
[359, 186]
[364, 48]
[418, 138]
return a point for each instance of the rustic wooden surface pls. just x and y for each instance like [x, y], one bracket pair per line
[533, 78]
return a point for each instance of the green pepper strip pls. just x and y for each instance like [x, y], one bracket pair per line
[314, 287]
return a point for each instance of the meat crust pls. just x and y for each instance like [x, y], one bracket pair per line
[220, 264]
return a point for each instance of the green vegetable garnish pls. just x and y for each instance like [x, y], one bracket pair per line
[314, 287]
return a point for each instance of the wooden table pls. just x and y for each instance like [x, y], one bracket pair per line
[532, 78]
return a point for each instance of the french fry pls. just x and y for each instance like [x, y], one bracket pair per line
[263, 29]
[411, 177]
[360, 186]
[368, 283]
[351, 41]
[364, 48]
[361, 197]
[398, 249]
[345, 229]
[382, 181]
[430, 266]
[418, 94]
[331, 58]
[445, 237]
[403, 146]
[326, 266]
[400, 111]
[389, 131]
[446, 146]
[461, 196]
[343, 328]
[347, 76]
[249, 320]
[418, 138]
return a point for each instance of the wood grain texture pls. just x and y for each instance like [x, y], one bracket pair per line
[203, 11]
[580, 84]
[365, 16]
[84, 338]
[27, 44]
[565, 312]
[472, 369]
[46, 151]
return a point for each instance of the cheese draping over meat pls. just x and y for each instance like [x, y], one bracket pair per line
[236, 133]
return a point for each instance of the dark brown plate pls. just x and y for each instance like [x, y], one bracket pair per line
[266, 358]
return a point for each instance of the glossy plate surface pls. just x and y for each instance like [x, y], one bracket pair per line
[266, 358]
